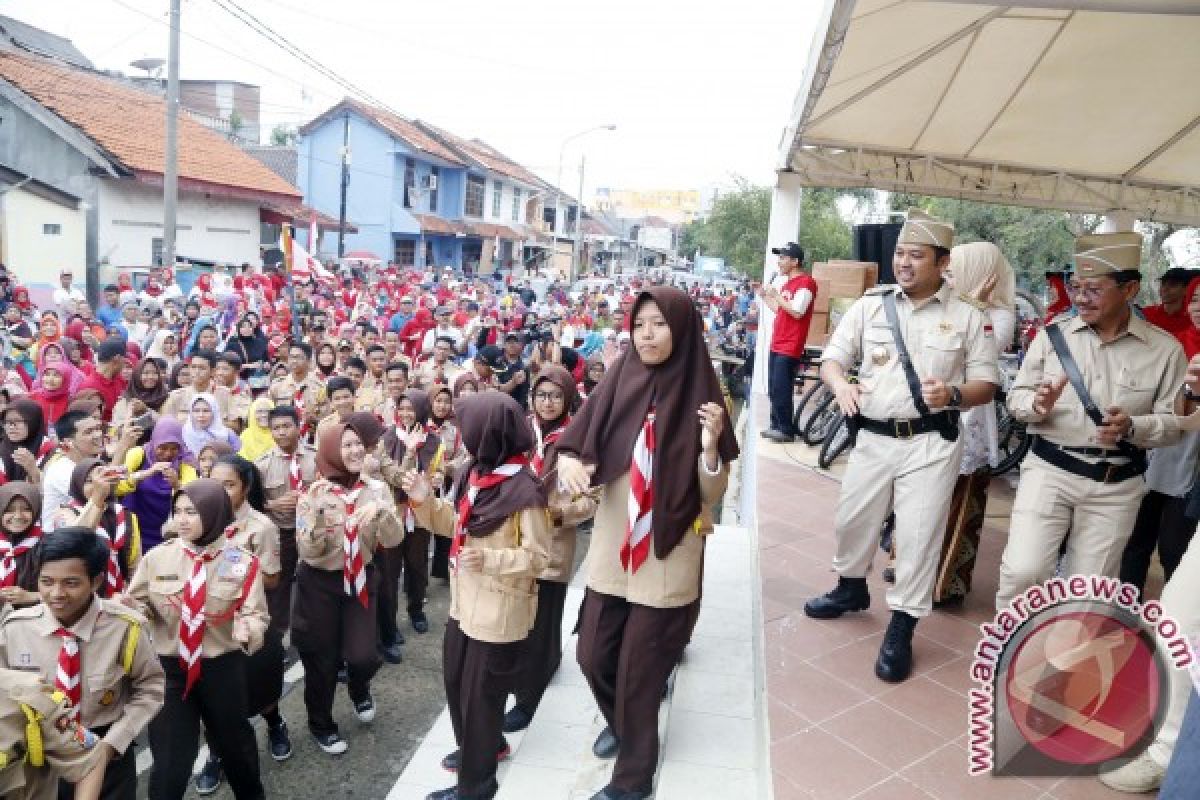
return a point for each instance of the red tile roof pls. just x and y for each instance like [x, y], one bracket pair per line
[130, 124]
[394, 124]
[432, 224]
[489, 231]
[486, 156]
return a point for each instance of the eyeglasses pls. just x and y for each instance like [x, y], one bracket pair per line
[15, 423]
[546, 397]
[1090, 292]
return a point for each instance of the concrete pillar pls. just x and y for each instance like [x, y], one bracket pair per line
[784, 227]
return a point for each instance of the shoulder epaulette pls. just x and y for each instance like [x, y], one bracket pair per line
[973, 302]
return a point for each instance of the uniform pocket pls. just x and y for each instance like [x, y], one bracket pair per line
[1134, 395]
[944, 352]
[105, 689]
[165, 596]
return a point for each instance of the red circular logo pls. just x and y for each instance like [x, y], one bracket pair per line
[1083, 687]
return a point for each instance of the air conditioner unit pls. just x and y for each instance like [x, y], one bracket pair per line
[429, 182]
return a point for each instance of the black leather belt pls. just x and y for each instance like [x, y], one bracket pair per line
[943, 422]
[1092, 452]
[1099, 471]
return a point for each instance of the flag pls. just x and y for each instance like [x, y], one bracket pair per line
[313, 235]
[298, 265]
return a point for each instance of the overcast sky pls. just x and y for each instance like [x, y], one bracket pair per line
[698, 91]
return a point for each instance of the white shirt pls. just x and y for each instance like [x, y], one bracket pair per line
[432, 335]
[61, 296]
[56, 489]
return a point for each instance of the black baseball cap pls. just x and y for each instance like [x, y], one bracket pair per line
[1178, 275]
[791, 250]
[492, 356]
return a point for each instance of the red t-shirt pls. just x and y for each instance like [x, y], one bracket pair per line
[1174, 324]
[790, 334]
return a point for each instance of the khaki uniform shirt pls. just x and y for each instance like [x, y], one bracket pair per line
[239, 405]
[179, 402]
[429, 374]
[498, 604]
[274, 467]
[122, 701]
[566, 513]
[321, 524]
[667, 583]
[370, 394]
[283, 392]
[1140, 372]
[256, 533]
[948, 339]
[158, 587]
[68, 749]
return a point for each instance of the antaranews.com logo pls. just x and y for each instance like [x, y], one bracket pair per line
[1071, 676]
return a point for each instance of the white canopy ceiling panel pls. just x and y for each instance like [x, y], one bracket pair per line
[1091, 105]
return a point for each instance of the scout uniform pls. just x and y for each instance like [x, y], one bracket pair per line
[40, 740]
[279, 471]
[430, 374]
[370, 395]
[329, 626]
[1068, 482]
[233, 589]
[120, 678]
[307, 395]
[240, 399]
[179, 402]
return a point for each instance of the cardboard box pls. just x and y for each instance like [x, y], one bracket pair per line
[846, 278]
[818, 330]
[821, 302]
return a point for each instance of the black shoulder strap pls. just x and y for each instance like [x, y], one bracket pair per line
[910, 374]
[1075, 378]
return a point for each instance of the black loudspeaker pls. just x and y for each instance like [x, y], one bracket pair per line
[876, 242]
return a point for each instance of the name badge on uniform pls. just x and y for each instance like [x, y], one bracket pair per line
[945, 328]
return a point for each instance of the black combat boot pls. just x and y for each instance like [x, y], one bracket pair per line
[850, 595]
[895, 654]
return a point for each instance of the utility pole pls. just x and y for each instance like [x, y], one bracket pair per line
[171, 155]
[577, 255]
[345, 184]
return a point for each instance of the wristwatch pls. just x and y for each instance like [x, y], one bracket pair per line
[1189, 394]
[955, 398]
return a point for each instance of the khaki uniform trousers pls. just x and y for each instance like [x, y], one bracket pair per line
[1180, 602]
[913, 477]
[1051, 503]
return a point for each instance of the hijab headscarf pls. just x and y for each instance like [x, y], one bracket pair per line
[72, 376]
[75, 332]
[195, 437]
[79, 476]
[32, 495]
[167, 430]
[553, 373]
[494, 429]
[329, 446]
[173, 381]
[54, 401]
[256, 440]
[1190, 337]
[396, 445]
[604, 431]
[156, 347]
[973, 264]
[214, 506]
[462, 380]
[321, 368]
[136, 390]
[251, 348]
[35, 420]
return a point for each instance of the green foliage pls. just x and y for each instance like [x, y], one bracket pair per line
[282, 135]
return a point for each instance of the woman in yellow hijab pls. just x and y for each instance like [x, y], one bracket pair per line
[256, 439]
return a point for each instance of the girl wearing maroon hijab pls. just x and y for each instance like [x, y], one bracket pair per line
[651, 437]
[500, 533]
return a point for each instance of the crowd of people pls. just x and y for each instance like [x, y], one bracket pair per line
[194, 482]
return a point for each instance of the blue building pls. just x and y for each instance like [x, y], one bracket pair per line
[421, 196]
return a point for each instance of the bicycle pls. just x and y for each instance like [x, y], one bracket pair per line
[822, 422]
[836, 442]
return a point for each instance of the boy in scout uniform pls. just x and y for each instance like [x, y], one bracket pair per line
[923, 355]
[96, 652]
[41, 741]
[1083, 474]
[300, 388]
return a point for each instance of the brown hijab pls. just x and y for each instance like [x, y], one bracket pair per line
[605, 429]
[35, 421]
[32, 495]
[214, 505]
[329, 446]
[563, 380]
[494, 429]
[79, 476]
[395, 447]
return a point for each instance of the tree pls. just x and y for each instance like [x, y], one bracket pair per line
[236, 123]
[283, 136]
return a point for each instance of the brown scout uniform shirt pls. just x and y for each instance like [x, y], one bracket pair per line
[566, 513]
[321, 521]
[158, 587]
[274, 468]
[499, 604]
[111, 696]
[283, 392]
[668, 583]
[68, 750]
[256, 533]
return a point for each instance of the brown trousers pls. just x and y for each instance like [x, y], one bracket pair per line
[330, 628]
[543, 646]
[479, 677]
[627, 651]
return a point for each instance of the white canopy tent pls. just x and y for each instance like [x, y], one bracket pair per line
[1085, 105]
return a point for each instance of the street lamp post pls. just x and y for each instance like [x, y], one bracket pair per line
[558, 192]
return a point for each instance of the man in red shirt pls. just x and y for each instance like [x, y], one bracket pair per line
[110, 359]
[1169, 314]
[791, 296]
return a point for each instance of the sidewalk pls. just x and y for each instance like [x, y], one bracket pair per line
[836, 730]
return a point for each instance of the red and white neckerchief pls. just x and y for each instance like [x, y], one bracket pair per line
[295, 475]
[354, 576]
[465, 503]
[113, 579]
[10, 551]
[192, 614]
[47, 447]
[66, 677]
[543, 443]
[636, 546]
[298, 404]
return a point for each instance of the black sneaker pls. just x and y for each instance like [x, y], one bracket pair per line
[331, 743]
[450, 762]
[420, 622]
[517, 719]
[895, 654]
[209, 779]
[365, 709]
[280, 742]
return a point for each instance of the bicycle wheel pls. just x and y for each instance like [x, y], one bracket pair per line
[835, 443]
[820, 422]
[808, 401]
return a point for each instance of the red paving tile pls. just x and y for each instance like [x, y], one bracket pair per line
[855, 663]
[894, 788]
[822, 764]
[784, 721]
[873, 728]
[929, 703]
[812, 693]
[944, 775]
